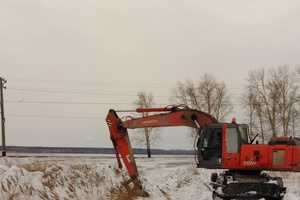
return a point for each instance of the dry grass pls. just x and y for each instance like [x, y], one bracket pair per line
[36, 166]
[125, 192]
[119, 193]
[186, 178]
[165, 194]
[65, 182]
[74, 181]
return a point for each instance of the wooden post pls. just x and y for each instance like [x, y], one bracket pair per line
[2, 82]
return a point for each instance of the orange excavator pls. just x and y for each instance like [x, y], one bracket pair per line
[219, 146]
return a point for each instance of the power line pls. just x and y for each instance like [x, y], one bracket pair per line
[116, 84]
[70, 102]
[154, 86]
[74, 91]
[93, 83]
[88, 93]
[84, 92]
[51, 116]
[86, 103]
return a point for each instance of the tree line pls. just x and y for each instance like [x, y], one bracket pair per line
[270, 102]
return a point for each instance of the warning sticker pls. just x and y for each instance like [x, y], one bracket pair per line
[128, 158]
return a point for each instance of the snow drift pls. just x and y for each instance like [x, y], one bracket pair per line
[62, 177]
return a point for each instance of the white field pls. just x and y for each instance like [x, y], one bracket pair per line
[62, 176]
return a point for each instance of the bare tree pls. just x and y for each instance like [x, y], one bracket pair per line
[284, 83]
[207, 95]
[146, 136]
[265, 99]
[215, 97]
[275, 99]
[186, 94]
[253, 111]
[296, 109]
[249, 100]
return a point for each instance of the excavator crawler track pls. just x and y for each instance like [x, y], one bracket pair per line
[232, 185]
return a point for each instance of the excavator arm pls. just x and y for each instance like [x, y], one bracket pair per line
[167, 116]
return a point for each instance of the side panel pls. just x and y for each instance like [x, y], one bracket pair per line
[281, 157]
[255, 157]
[270, 157]
[296, 159]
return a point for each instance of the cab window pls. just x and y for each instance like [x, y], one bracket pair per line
[244, 134]
[231, 140]
[213, 138]
[212, 143]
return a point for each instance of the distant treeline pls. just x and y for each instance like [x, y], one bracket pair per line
[84, 150]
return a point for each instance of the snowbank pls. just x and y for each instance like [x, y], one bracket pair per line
[97, 177]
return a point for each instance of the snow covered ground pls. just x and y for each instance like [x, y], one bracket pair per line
[98, 177]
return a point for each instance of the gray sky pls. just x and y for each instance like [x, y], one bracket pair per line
[99, 54]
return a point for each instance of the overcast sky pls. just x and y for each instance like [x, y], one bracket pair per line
[68, 62]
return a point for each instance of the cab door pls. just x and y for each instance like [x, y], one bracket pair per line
[231, 146]
[210, 147]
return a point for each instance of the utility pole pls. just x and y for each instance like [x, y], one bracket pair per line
[2, 82]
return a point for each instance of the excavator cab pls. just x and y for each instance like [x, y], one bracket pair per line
[228, 146]
[219, 144]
